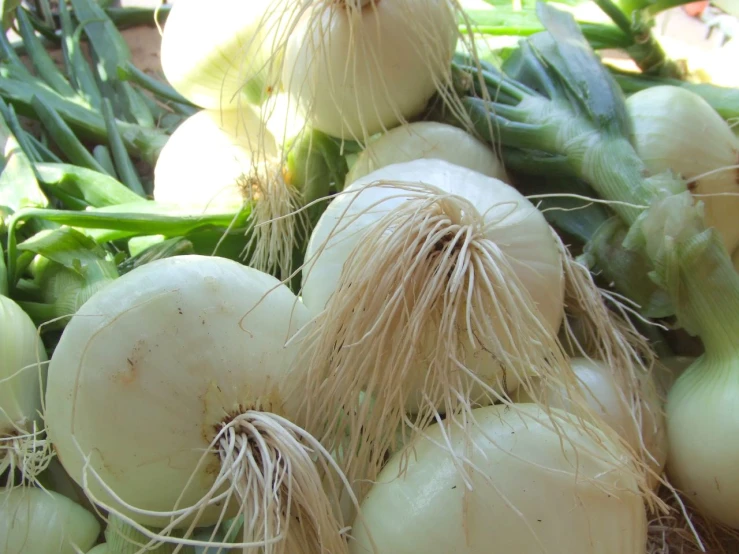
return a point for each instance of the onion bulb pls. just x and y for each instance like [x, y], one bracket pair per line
[427, 139]
[22, 378]
[533, 489]
[675, 129]
[224, 53]
[165, 403]
[360, 67]
[433, 286]
[36, 521]
[636, 415]
[218, 161]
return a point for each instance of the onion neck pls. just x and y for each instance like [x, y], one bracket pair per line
[709, 294]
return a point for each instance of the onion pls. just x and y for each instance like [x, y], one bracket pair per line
[22, 377]
[440, 281]
[636, 415]
[218, 161]
[363, 66]
[675, 129]
[222, 54]
[165, 403]
[36, 521]
[530, 490]
[427, 139]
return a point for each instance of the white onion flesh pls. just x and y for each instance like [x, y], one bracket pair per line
[675, 129]
[150, 366]
[427, 140]
[359, 70]
[532, 492]
[35, 521]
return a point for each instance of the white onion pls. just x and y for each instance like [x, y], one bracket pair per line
[434, 288]
[532, 489]
[363, 66]
[36, 521]
[675, 129]
[222, 53]
[155, 367]
[636, 415]
[218, 161]
[430, 140]
[22, 377]
[209, 159]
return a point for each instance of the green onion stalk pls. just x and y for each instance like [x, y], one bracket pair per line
[557, 105]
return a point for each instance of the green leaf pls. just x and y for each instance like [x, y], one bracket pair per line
[580, 71]
[65, 246]
[81, 187]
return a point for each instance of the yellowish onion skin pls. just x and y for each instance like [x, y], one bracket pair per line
[361, 70]
[528, 496]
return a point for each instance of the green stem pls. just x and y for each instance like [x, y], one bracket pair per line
[145, 222]
[617, 16]
[130, 72]
[709, 292]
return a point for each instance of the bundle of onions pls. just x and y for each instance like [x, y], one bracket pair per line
[530, 491]
[435, 289]
[360, 67]
[22, 378]
[675, 129]
[224, 160]
[165, 404]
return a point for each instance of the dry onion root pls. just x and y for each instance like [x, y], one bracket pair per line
[165, 404]
[436, 290]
